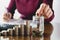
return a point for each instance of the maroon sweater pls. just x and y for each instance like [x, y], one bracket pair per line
[28, 7]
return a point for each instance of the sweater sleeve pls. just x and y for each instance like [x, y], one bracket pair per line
[49, 19]
[11, 7]
[50, 3]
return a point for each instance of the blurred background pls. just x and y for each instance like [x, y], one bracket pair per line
[56, 8]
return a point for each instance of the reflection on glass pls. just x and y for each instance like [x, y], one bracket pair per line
[48, 31]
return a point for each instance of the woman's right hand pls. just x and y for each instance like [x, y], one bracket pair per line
[7, 16]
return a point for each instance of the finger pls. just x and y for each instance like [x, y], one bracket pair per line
[47, 8]
[49, 13]
[8, 15]
[40, 10]
[5, 19]
[42, 6]
[5, 15]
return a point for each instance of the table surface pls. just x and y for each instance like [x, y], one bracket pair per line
[51, 32]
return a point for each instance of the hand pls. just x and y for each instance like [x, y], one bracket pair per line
[7, 16]
[45, 10]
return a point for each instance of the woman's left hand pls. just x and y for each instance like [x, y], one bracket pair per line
[45, 10]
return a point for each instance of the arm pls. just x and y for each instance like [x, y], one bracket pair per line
[11, 8]
[49, 2]
[10, 11]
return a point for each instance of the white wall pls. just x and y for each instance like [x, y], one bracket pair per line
[56, 7]
[3, 5]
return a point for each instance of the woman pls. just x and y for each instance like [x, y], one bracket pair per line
[28, 8]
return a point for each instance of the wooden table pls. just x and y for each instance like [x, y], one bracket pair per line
[51, 32]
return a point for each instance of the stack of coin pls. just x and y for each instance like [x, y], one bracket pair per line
[11, 32]
[22, 29]
[4, 33]
[17, 30]
[27, 28]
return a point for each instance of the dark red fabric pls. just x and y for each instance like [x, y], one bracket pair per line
[27, 7]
